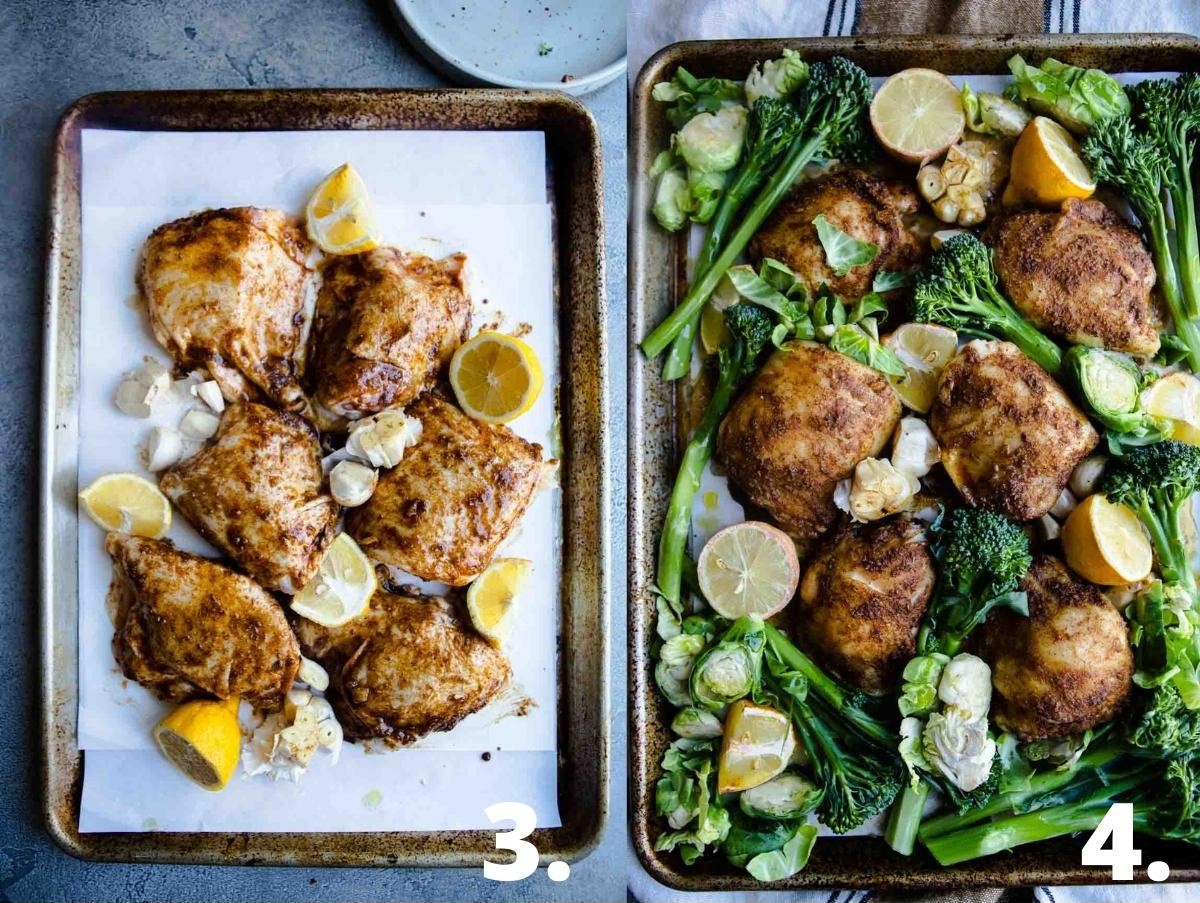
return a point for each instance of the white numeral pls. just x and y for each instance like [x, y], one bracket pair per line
[524, 820]
[1123, 856]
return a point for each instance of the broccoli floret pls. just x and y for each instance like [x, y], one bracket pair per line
[1165, 727]
[838, 97]
[958, 288]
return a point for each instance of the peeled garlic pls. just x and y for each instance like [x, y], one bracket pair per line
[1049, 528]
[200, 425]
[879, 489]
[351, 483]
[1064, 505]
[941, 236]
[914, 450]
[210, 393]
[140, 388]
[1086, 475]
[312, 674]
[164, 447]
[382, 438]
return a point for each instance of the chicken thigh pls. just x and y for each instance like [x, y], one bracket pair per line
[408, 666]
[387, 324]
[1082, 275]
[256, 494]
[1065, 668]
[1009, 434]
[187, 626]
[801, 424]
[227, 290]
[862, 600]
[441, 513]
[859, 204]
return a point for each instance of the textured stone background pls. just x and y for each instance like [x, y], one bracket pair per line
[51, 52]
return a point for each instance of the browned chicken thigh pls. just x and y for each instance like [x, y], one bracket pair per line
[387, 324]
[800, 425]
[1010, 436]
[859, 204]
[442, 512]
[862, 600]
[226, 290]
[408, 666]
[187, 626]
[1065, 668]
[1081, 274]
[256, 494]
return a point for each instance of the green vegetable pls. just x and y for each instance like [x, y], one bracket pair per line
[776, 79]
[749, 837]
[835, 101]
[958, 288]
[704, 193]
[676, 658]
[773, 126]
[1110, 386]
[751, 327]
[686, 795]
[1077, 98]
[1136, 165]
[1164, 726]
[854, 342]
[689, 95]
[712, 142]
[730, 669]
[788, 859]
[671, 199]
[843, 252]
[696, 723]
[786, 797]
[887, 280]
[1169, 112]
[993, 114]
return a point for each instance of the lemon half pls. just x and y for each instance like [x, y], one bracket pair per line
[1046, 167]
[495, 377]
[127, 503]
[203, 740]
[1176, 397]
[341, 219]
[748, 569]
[1104, 542]
[492, 597]
[924, 349]
[917, 114]
[342, 588]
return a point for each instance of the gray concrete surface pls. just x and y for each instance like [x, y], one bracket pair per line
[51, 52]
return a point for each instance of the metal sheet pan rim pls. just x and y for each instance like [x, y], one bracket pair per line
[574, 156]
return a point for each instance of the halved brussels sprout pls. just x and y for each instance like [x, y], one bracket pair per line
[697, 724]
[1110, 383]
[727, 672]
[787, 797]
[712, 142]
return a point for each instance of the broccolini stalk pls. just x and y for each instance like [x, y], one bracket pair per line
[835, 101]
[773, 126]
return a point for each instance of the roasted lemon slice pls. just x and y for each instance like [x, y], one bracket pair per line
[748, 569]
[1104, 542]
[340, 217]
[1046, 167]
[1176, 397]
[127, 503]
[495, 377]
[342, 588]
[758, 744]
[202, 739]
[492, 597]
[924, 349]
[917, 115]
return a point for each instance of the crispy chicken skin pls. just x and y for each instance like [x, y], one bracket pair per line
[442, 512]
[862, 599]
[1081, 274]
[1009, 434]
[187, 626]
[859, 204]
[387, 324]
[255, 493]
[226, 291]
[801, 424]
[1065, 668]
[408, 666]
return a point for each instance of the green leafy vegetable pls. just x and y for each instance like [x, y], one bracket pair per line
[1110, 385]
[1077, 98]
[788, 859]
[854, 342]
[730, 669]
[843, 252]
[712, 142]
[887, 280]
[689, 95]
[776, 79]
[993, 114]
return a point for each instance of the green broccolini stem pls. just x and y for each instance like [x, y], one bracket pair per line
[904, 820]
[1168, 281]
[1183, 206]
[1044, 352]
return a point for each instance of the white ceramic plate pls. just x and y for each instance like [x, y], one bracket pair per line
[568, 45]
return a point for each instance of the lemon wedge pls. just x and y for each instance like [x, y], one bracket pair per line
[1046, 167]
[758, 744]
[127, 503]
[924, 349]
[1176, 397]
[1104, 542]
[203, 740]
[917, 114]
[748, 569]
[714, 334]
[495, 377]
[340, 217]
[342, 588]
[492, 597]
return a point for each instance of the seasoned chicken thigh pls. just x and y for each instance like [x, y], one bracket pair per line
[862, 600]
[1065, 668]
[227, 291]
[256, 494]
[408, 666]
[187, 626]
[387, 324]
[859, 204]
[801, 424]
[442, 512]
[1081, 274]
[1009, 434]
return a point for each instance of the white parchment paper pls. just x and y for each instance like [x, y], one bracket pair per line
[436, 192]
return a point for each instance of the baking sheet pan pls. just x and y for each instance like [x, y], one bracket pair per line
[573, 189]
[654, 268]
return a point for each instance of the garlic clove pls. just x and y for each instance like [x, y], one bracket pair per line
[1086, 475]
[210, 393]
[382, 439]
[164, 447]
[352, 483]
[312, 674]
[199, 425]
